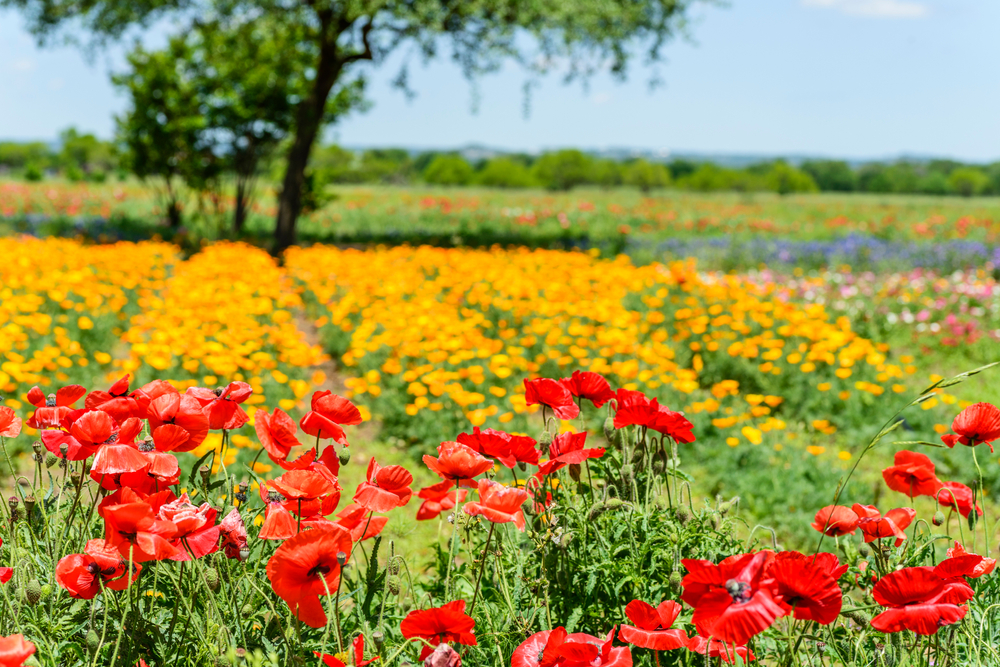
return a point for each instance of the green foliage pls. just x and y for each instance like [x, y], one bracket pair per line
[504, 172]
[831, 175]
[784, 179]
[448, 170]
[967, 181]
[563, 170]
[646, 175]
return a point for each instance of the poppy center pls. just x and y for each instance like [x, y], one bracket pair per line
[93, 568]
[320, 570]
[739, 591]
[50, 401]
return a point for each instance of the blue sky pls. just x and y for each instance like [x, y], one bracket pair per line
[850, 78]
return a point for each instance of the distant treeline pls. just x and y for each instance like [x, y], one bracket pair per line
[565, 169]
[79, 157]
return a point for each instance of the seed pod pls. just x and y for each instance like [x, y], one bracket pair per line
[93, 641]
[29, 503]
[64, 449]
[212, 578]
[345, 456]
[938, 518]
[378, 638]
[609, 429]
[341, 558]
[33, 592]
[244, 553]
[36, 449]
[205, 473]
[683, 515]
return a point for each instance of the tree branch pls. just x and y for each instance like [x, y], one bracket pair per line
[367, 53]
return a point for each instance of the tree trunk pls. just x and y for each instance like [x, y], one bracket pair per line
[240, 210]
[309, 120]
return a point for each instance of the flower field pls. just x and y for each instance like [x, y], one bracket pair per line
[576, 460]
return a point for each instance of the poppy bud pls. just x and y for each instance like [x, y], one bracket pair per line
[33, 592]
[545, 439]
[596, 511]
[46, 591]
[609, 429]
[51, 459]
[938, 518]
[675, 580]
[93, 641]
[392, 585]
[574, 472]
[638, 455]
[345, 456]
[443, 656]
[247, 610]
[394, 567]
[864, 550]
[212, 578]
[859, 617]
[378, 638]
[341, 558]
[683, 515]
[728, 505]
[205, 473]
[659, 465]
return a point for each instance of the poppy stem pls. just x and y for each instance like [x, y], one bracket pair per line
[317, 444]
[982, 494]
[656, 656]
[128, 593]
[482, 568]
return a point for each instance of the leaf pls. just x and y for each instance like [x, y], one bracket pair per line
[573, 619]
[194, 469]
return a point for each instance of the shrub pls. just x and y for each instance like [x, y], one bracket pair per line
[448, 170]
[646, 175]
[785, 179]
[968, 181]
[563, 170]
[502, 172]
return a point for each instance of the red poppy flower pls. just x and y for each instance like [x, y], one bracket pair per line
[912, 474]
[717, 649]
[93, 428]
[652, 626]
[985, 566]
[566, 449]
[279, 523]
[359, 655]
[499, 503]
[918, 600]
[826, 562]
[729, 602]
[52, 408]
[447, 624]
[836, 520]
[979, 423]
[363, 524]
[506, 448]
[10, 423]
[874, 526]
[222, 405]
[115, 401]
[162, 471]
[234, 534]
[552, 648]
[147, 393]
[385, 488]
[957, 568]
[588, 385]
[119, 457]
[458, 462]
[301, 565]
[197, 535]
[134, 526]
[14, 650]
[553, 395]
[806, 587]
[959, 496]
[183, 411]
[308, 492]
[82, 574]
[438, 498]
[277, 433]
[329, 413]
[633, 408]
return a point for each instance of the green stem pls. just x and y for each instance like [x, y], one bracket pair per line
[482, 568]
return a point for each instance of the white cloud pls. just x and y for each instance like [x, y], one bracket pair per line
[601, 98]
[891, 9]
[23, 65]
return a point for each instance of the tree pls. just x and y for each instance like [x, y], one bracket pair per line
[968, 181]
[84, 155]
[785, 179]
[161, 131]
[448, 170]
[646, 175]
[336, 37]
[563, 170]
[504, 172]
[831, 175]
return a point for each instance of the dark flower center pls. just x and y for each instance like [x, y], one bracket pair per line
[320, 571]
[113, 438]
[739, 591]
[50, 401]
[93, 568]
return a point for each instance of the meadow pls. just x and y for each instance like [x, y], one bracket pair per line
[778, 380]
